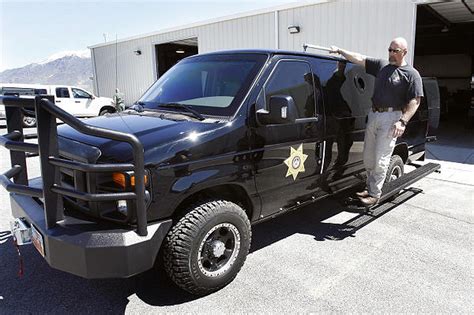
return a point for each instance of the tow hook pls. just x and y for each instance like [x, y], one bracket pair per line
[21, 233]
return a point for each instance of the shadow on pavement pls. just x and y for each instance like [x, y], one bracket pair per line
[309, 220]
[46, 290]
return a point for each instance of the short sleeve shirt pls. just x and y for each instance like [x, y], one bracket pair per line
[394, 86]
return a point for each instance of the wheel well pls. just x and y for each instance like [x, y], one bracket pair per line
[111, 109]
[233, 193]
[401, 150]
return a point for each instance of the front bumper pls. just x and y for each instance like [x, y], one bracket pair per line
[89, 249]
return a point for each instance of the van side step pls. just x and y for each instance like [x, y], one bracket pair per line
[394, 187]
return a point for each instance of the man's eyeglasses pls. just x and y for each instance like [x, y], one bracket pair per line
[390, 50]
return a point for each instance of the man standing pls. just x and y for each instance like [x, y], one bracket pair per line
[397, 94]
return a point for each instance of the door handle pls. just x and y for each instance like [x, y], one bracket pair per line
[321, 154]
[58, 101]
[77, 101]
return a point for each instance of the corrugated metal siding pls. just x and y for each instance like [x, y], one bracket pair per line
[137, 73]
[365, 26]
[134, 73]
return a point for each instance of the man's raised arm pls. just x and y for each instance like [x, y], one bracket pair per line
[349, 55]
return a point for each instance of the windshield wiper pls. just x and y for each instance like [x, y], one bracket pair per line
[184, 107]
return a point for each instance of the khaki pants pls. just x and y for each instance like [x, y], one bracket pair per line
[378, 148]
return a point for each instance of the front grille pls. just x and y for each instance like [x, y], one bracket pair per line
[88, 182]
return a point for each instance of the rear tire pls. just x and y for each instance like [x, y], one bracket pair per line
[207, 247]
[105, 111]
[396, 169]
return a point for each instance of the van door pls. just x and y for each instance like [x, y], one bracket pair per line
[65, 101]
[347, 92]
[288, 157]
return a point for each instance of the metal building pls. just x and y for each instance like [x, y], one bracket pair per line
[436, 29]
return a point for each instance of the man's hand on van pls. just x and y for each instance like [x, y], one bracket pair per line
[334, 50]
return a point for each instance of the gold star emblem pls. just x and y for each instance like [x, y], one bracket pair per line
[295, 162]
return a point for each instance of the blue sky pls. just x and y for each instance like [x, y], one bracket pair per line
[31, 31]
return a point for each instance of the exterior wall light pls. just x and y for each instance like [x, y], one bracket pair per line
[137, 52]
[294, 29]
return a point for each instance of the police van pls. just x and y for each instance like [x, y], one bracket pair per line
[74, 100]
[222, 141]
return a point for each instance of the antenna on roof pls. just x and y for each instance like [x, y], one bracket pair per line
[116, 62]
[306, 46]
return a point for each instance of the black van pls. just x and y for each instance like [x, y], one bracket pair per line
[220, 142]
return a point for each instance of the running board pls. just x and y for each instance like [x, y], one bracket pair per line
[394, 187]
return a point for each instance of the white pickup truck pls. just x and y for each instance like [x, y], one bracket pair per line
[74, 100]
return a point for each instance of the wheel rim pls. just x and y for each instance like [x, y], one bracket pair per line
[396, 173]
[29, 121]
[219, 249]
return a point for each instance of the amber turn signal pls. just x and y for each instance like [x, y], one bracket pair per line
[126, 180]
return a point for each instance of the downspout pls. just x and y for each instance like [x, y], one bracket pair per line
[94, 73]
[277, 31]
[413, 29]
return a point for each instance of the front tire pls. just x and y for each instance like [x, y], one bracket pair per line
[207, 247]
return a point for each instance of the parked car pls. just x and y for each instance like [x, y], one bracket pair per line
[220, 142]
[74, 100]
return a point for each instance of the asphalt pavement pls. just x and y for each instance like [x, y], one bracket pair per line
[414, 254]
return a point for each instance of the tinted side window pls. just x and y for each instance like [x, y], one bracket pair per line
[293, 78]
[62, 92]
[347, 90]
[40, 91]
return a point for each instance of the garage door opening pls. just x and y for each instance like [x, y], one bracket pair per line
[444, 49]
[169, 54]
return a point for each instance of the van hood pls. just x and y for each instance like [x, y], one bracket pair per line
[161, 138]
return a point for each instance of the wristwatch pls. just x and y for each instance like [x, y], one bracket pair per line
[404, 122]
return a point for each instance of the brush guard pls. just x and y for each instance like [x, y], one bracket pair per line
[15, 180]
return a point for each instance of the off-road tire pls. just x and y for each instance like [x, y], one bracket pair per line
[191, 237]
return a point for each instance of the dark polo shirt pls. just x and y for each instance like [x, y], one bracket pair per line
[394, 86]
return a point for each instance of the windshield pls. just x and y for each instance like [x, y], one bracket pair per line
[212, 85]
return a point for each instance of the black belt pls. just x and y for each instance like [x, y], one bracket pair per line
[382, 109]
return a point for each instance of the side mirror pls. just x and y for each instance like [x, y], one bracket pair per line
[281, 110]
[92, 97]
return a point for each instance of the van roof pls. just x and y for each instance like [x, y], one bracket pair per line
[272, 52]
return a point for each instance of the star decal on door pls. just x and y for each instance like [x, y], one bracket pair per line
[296, 161]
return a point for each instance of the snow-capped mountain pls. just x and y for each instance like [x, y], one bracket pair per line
[65, 68]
